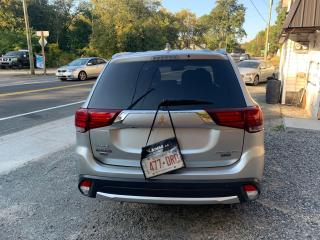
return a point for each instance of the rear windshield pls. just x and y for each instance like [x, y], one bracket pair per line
[123, 83]
[248, 64]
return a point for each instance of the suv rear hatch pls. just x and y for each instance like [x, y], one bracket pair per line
[127, 95]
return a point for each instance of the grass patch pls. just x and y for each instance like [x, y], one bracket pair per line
[279, 128]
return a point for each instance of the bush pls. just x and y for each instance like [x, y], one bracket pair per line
[55, 57]
[10, 41]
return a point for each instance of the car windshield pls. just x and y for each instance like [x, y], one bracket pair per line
[13, 54]
[143, 85]
[78, 62]
[248, 64]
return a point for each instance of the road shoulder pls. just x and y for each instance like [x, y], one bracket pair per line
[35, 143]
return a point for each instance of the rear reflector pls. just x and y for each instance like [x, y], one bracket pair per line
[251, 191]
[86, 119]
[85, 186]
[249, 119]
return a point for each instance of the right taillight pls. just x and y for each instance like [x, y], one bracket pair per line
[86, 119]
[249, 119]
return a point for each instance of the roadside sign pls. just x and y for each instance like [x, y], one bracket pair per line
[43, 33]
[44, 42]
[39, 61]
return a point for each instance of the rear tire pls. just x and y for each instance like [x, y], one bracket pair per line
[256, 80]
[82, 75]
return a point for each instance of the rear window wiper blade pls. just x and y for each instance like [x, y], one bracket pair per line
[183, 102]
[140, 98]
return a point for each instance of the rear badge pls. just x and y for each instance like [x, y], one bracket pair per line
[103, 150]
[226, 154]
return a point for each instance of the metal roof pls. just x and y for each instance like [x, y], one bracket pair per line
[304, 16]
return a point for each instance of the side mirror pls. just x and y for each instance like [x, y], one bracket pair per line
[89, 64]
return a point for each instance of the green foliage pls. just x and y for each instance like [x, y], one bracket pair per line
[56, 57]
[105, 27]
[11, 15]
[122, 25]
[12, 41]
[225, 24]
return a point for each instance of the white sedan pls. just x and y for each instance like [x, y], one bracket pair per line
[81, 69]
[256, 71]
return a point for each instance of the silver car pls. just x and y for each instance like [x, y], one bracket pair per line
[201, 102]
[256, 71]
[81, 69]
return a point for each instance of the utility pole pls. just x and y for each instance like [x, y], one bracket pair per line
[268, 29]
[26, 20]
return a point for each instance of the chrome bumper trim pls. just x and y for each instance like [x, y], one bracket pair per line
[169, 200]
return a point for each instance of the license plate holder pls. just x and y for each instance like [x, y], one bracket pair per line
[161, 157]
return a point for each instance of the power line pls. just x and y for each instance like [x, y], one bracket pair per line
[258, 12]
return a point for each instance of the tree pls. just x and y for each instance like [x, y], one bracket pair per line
[225, 24]
[11, 15]
[135, 25]
[187, 24]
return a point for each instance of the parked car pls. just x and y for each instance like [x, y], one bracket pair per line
[15, 59]
[256, 71]
[218, 126]
[81, 69]
[244, 56]
[238, 56]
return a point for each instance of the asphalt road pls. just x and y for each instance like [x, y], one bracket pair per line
[38, 99]
[41, 201]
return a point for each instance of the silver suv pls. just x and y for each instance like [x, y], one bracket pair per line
[219, 129]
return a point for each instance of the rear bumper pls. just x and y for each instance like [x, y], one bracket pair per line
[170, 192]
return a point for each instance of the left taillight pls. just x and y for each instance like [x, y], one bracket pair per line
[86, 119]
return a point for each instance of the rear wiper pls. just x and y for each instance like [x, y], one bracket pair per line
[183, 102]
[140, 98]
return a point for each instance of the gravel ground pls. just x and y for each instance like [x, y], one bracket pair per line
[41, 201]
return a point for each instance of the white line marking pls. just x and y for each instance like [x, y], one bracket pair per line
[27, 83]
[41, 110]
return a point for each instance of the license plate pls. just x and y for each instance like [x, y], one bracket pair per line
[161, 157]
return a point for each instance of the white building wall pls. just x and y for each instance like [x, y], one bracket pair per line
[293, 63]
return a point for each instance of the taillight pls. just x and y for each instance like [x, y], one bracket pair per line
[86, 119]
[249, 119]
[251, 191]
[85, 186]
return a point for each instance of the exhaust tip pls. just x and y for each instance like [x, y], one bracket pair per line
[251, 191]
[85, 187]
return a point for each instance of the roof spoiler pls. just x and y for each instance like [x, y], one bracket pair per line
[120, 54]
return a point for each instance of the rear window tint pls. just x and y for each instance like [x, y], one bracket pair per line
[123, 83]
